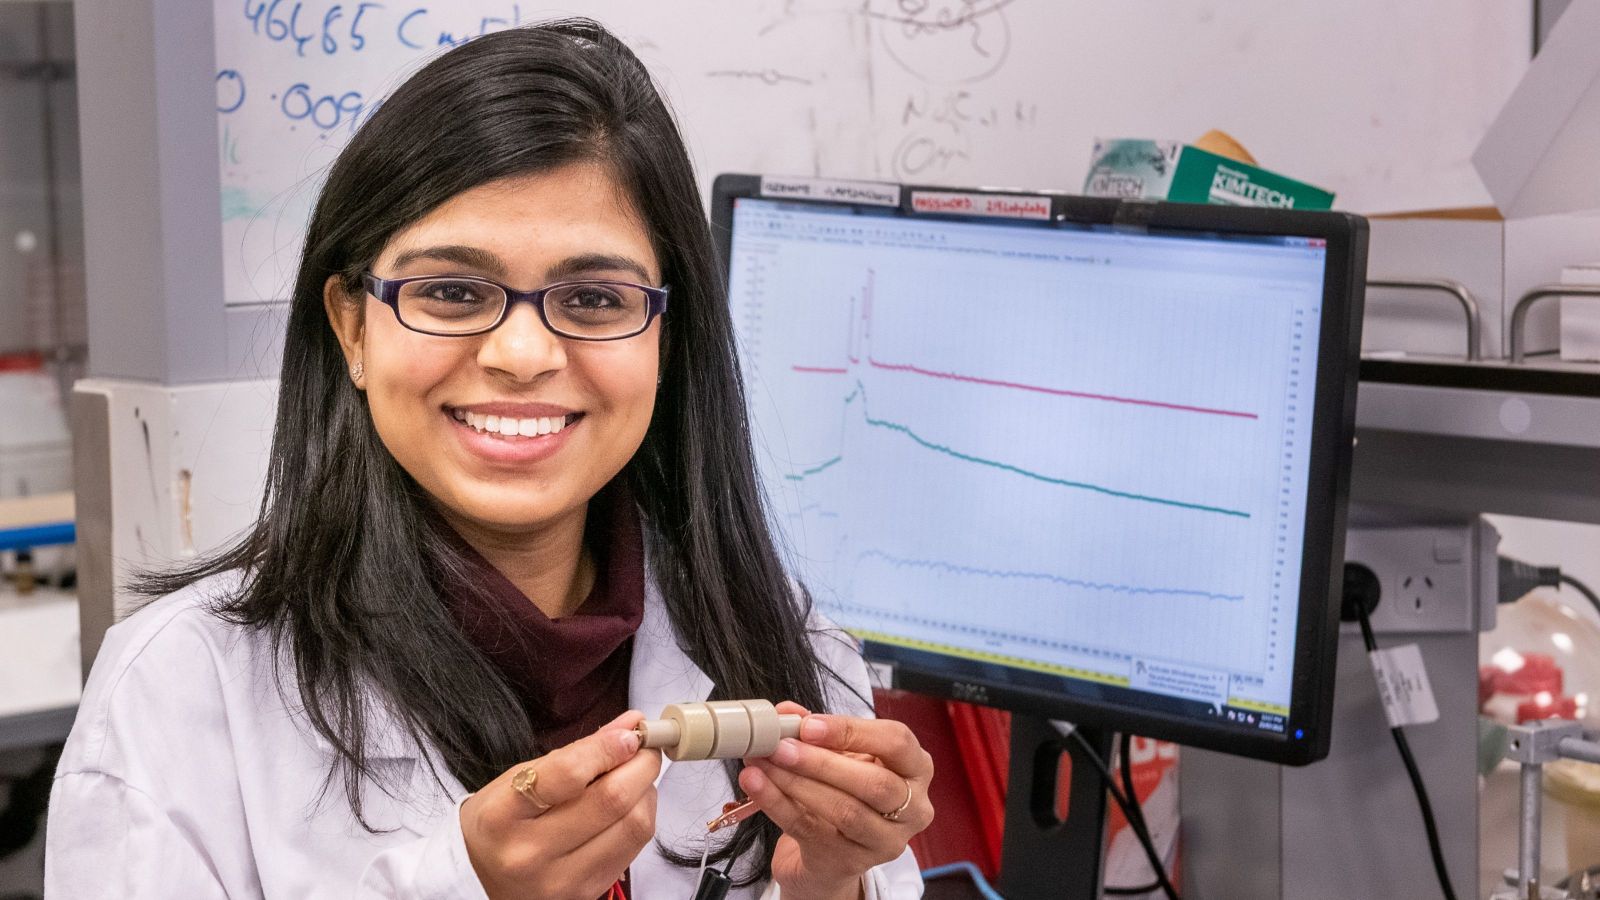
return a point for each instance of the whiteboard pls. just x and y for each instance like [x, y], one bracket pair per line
[1382, 103]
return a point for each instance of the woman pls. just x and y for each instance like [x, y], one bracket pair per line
[510, 504]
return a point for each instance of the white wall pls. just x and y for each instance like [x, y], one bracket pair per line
[1381, 102]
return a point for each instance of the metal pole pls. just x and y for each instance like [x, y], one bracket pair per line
[1573, 748]
[1519, 313]
[1469, 304]
[1528, 835]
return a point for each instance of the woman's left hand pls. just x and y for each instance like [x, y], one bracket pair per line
[848, 795]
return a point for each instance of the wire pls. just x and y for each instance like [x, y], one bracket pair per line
[1137, 822]
[1125, 765]
[1130, 814]
[970, 870]
[1410, 761]
[1132, 891]
[1581, 588]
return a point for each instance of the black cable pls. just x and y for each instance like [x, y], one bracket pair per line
[1581, 588]
[1434, 847]
[1127, 812]
[1125, 765]
[714, 885]
[1517, 578]
[1132, 891]
[1138, 822]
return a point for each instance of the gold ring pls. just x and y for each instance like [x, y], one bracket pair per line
[524, 782]
[895, 816]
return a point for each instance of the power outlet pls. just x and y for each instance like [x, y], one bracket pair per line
[1418, 593]
[1433, 578]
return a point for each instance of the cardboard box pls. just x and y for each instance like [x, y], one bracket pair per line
[1538, 157]
[1580, 317]
[1170, 170]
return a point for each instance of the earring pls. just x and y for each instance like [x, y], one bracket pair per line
[356, 371]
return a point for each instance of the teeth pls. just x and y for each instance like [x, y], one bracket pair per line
[509, 427]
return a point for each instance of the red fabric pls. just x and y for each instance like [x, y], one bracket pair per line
[571, 673]
[983, 736]
[22, 362]
[971, 749]
[1538, 672]
[961, 831]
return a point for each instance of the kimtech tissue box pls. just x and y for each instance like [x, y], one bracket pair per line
[1184, 173]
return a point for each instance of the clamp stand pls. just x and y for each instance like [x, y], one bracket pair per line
[1533, 745]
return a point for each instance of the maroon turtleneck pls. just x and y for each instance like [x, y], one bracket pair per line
[572, 672]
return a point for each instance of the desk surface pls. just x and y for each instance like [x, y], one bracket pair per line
[40, 673]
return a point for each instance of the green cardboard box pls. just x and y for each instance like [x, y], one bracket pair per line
[1169, 170]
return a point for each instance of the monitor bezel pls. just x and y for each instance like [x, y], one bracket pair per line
[1332, 440]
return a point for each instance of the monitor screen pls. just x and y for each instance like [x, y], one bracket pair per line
[1064, 466]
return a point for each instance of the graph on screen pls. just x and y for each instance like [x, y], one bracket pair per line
[1075, 452]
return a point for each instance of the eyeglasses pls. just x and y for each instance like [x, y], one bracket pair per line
[462, 305]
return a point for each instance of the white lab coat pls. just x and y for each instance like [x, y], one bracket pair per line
[190, 774]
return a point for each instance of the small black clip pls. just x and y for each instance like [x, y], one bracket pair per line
[713, 885]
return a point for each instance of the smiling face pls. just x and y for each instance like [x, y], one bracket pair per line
[514, 430]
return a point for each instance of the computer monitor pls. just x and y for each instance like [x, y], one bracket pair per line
[1080, 458]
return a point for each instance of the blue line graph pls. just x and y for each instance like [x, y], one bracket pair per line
[945, 625]
[956, 569]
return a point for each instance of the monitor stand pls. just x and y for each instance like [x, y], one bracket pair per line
[1045, 856]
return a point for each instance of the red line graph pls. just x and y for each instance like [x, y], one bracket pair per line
[874, 362]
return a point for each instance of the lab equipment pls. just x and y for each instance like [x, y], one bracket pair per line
[733, 813]
[1080, 458]
[718, 729]
[1533, 746]
[1432, 584]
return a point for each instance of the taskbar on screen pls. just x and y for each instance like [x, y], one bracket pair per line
[1098, 688]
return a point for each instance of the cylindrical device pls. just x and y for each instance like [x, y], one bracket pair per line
[766, 727]
[719, 729]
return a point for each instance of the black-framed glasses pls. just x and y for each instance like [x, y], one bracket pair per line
[462, 305]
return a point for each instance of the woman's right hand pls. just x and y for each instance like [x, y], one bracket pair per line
[601, 798]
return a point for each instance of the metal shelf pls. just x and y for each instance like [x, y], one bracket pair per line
[1485, 436]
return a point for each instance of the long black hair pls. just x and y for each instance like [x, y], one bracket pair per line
[344, 569]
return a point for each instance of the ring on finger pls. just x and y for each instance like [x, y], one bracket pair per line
[894, 816]
[524, 781]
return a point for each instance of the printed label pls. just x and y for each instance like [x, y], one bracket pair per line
[1114, 184]
[1178, 680]
[875, 193]
[881, 675]
[1008, 206]
[1403, 686]
[1231, 187]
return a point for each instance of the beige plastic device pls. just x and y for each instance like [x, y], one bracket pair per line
[720, 729]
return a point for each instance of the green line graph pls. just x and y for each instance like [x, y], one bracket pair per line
[896, 427]
[803, 474]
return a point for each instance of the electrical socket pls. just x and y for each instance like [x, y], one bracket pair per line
[1434, 578]
[1418, 593]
